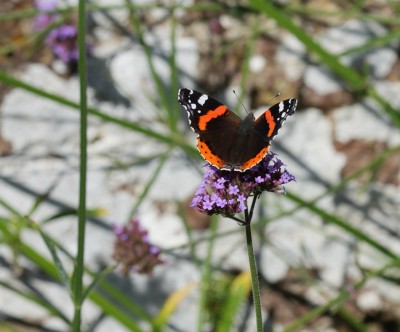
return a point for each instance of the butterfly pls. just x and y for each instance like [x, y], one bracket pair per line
[224, 139]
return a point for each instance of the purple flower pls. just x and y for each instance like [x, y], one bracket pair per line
[64, 43]
[220, 183]
[259, 179]
[133, 250]
[44, 19]
[230, 190]
[233, 190]
[221, 202]
[207, 204]
[44, 5]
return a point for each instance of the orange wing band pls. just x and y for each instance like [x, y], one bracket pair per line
[255, 160]
[271, 122]
[208, 155]
[206, 118]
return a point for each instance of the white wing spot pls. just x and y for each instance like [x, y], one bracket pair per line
[281, 106]
[202, 99]
[193, 106]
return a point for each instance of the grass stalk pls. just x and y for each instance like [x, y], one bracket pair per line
[77, 287]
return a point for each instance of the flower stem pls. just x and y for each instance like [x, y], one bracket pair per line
[254, 276]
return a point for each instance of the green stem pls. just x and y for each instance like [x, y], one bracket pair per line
[79, 268]
[254, 277]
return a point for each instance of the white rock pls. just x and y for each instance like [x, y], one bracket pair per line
[337, 40]
[354, 33]
[272, 267]
[257, 63]
[333, 270]
[389, 91]
[290, 57]
[307, 149]
[364, 121]
[369, 300]
[321, 80]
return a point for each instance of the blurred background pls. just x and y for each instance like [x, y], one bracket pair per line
[328, 251]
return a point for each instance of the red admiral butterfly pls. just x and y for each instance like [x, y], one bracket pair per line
[226, 141]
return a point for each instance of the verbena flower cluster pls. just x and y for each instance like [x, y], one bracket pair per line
[133, 250]
[63, 40]
[226, 192]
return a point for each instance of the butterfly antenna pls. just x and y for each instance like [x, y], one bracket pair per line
[276, 96]
[240, 101]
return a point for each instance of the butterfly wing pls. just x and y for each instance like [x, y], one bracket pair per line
[215, 124]
[264, 130]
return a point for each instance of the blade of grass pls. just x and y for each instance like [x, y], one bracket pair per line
[134, 19]
[77, 279]
[105, 301]
[96, 281]
[115, 295]
[115, 311]
[190, 242]
[60, 267]
[351, 320]
[245, 66]
[105, 286]
[10, 208]
[271, 11]
[173, 100]
[380, 41]
[149, 184]
[318, 12]
[63, 275]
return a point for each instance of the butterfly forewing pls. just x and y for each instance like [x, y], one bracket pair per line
[213, 122]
